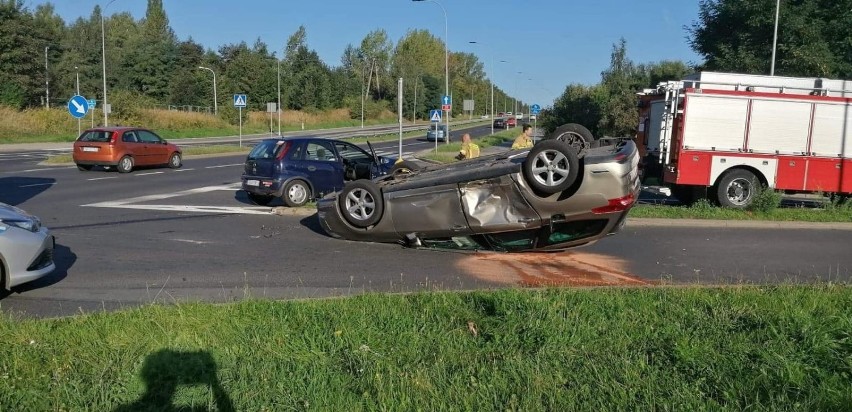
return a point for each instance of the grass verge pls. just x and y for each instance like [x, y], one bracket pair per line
[737, 348]
[446, 152]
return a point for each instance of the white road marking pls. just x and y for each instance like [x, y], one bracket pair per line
[132, 203]
[39, 184]
[183, 170]
[39, 170]
[216, 167]
[149, 173]
[102, 178]
[197, 242]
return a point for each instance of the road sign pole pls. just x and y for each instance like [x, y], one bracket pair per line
[241, 126]
[436, 137]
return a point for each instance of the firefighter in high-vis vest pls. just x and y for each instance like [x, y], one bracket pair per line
[469, 150]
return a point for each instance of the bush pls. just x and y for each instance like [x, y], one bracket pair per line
[765, 201]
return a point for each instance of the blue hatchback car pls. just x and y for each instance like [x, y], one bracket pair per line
[299, 169]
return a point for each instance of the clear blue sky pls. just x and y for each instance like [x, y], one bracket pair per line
[552, 42]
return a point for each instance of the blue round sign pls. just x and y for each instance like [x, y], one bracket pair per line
[78, 106]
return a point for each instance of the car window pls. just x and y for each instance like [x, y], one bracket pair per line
[454, 243]
[318, 150]
[148, 137]
[95, 136]
[130, 137]
[519, 240]
[570, 231]
[353, 153]
[296, 151]
[266, 150]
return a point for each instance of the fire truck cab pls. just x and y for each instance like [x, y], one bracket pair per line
[724, 135]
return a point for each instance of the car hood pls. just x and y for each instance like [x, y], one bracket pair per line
[10, 212]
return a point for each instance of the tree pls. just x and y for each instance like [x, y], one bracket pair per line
[813, 37]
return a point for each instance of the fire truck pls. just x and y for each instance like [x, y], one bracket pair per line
[727, 135]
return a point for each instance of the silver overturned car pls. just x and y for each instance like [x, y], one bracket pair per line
[544, 198]
[26, 247]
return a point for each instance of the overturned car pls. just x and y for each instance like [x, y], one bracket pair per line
[543, 198]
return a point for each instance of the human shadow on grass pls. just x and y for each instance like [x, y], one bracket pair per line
[166, 370]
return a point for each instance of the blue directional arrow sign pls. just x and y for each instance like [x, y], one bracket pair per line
[446, 100]
[435, 116]
[535, 109]
[78, 106]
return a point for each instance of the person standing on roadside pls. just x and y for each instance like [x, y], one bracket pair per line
[524, 141]
[469, 150]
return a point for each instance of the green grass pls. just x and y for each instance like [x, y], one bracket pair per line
[447, 152]
[734, 348]
[702, 210]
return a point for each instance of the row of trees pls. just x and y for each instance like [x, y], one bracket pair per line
[145, 58]
[814, 40]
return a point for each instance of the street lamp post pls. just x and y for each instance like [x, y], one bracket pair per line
[446, 61]
[279, 97]
[492, 89]
[103, 62]
[215, 98]
[46, 80]
[77, 74]
[775, 37]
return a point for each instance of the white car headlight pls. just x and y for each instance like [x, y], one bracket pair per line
[32, 223]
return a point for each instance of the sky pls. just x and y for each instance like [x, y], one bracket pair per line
[531, 49]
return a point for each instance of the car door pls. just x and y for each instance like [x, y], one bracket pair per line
[355, 161]
[155, 150]
[321, 167]
[130, 145]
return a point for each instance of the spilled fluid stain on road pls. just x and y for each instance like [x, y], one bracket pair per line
[550, 269]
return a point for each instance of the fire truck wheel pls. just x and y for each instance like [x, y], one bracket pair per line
[575, 135]
[551, 167]
[737, 189]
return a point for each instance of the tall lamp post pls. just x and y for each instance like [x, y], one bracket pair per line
[46, 80]
[103, 62]
[446, 60]
[77, 74]
[215, 98]
[775, 37]
[492, 88]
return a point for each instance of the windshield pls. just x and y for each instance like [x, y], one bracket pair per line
[266, 150]
[102, 136]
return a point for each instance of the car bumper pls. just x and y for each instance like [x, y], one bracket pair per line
[30, 257]
[262, 186]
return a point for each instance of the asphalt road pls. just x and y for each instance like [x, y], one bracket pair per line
[162, 235]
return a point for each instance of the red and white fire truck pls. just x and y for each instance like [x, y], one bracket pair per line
[723, 134]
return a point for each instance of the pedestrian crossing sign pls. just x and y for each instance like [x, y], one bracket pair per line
[435, 116]
[239, 100]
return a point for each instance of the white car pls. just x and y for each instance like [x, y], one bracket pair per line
[26, 247]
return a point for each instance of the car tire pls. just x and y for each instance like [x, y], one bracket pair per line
[403, 168]
[260, 200]
[361, 203]
[175, 161]
[551, 166]
[296, 193]
[737, 189]
[84, 168]
[576, 135]
[125, 164]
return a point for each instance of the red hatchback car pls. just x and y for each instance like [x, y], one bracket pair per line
[124, 148]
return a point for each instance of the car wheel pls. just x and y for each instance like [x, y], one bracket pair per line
[576, 135]
[261, 200]
[403, 168]
[175, 160]
[361, 203]
[737, 189]
[551, 166]
[125, 165]
[84, 168]
[296, 193]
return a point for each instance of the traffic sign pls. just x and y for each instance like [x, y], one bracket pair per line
[240, 100]
[446, 107]
[92, 103]
[435, 116]
[446, 100]
[78, 106]
[535, 109]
